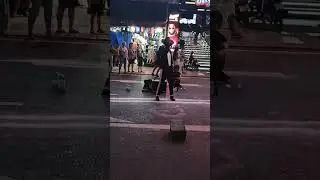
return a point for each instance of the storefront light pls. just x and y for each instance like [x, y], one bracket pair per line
[159, 30]
[132, 29]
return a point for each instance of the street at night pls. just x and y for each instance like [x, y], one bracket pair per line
[45, 134]
[268, 129]
[148, 122]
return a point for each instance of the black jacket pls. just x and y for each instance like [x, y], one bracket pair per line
[163, 51]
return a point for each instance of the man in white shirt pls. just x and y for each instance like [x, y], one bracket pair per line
[166, 64]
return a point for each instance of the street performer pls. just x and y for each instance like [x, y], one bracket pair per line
[166, 66]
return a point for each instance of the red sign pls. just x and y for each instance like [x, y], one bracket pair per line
[203, 3]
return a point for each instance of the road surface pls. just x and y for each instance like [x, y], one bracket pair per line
[269, 128]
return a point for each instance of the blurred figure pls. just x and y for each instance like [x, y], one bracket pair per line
[13, 4]
[139, 58]
[123, 57]
[24, 8]
[4, 16]
[34, 13]
[131, 57]
[71, 6]
[96, 10]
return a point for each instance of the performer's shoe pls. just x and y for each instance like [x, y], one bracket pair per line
[172, 98]
[157, 98]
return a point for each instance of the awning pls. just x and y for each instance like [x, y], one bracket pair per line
[126, 12]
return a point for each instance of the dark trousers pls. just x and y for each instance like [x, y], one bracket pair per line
[167, 75]
[34, 13]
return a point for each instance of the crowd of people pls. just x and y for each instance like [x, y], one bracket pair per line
[31, 9]
[126, 56]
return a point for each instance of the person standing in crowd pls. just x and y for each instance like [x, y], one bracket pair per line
[166, 64]
[123, 57]
[96, 10]
[131, 57]
[4, 16]
[182, 60]
[157, 62]
[71, 6]
[176, 56]
[139, 58]
[34, 13]
[24, 7]
[13, 4]
[115, 55]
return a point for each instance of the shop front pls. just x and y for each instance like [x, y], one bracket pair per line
[148, 37]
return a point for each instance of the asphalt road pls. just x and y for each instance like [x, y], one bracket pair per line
[276, 86]
[267, 129]
[37, 139]
[129, 103]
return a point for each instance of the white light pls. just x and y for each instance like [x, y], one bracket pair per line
[200, 9]
[158, 30]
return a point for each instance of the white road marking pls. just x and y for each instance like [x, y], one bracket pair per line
[262, 123]
[142, 82]
[162, 101]
[261, 74]
[57, 118]
[276, 52]
[11, 103]
[197, 128]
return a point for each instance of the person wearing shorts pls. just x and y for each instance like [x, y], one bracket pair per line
[96, 9]
[71, 6]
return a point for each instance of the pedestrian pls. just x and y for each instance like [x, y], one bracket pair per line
[243, 12]
[139, 58]
[13, 4]
[157, 62]
[34, 13]
[4, 16]
[115, 55]
[24, 7]
[228, 11]
[166, 65]
[123, 57]
[220, 44]
[176, 57]
[131, 57]
[71, 6]
[96, 10]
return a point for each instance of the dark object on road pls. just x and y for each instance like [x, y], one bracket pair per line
[106, 88]
[177, 131]
[150, 85]
[59, 83]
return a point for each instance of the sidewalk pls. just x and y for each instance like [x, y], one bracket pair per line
[269, 39]
[18, 25]
[148, 71]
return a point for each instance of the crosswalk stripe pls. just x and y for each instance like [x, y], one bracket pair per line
[141, 82]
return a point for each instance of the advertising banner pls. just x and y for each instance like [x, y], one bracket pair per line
[173, 29]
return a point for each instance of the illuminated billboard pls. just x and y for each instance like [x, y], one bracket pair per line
[173, 29]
